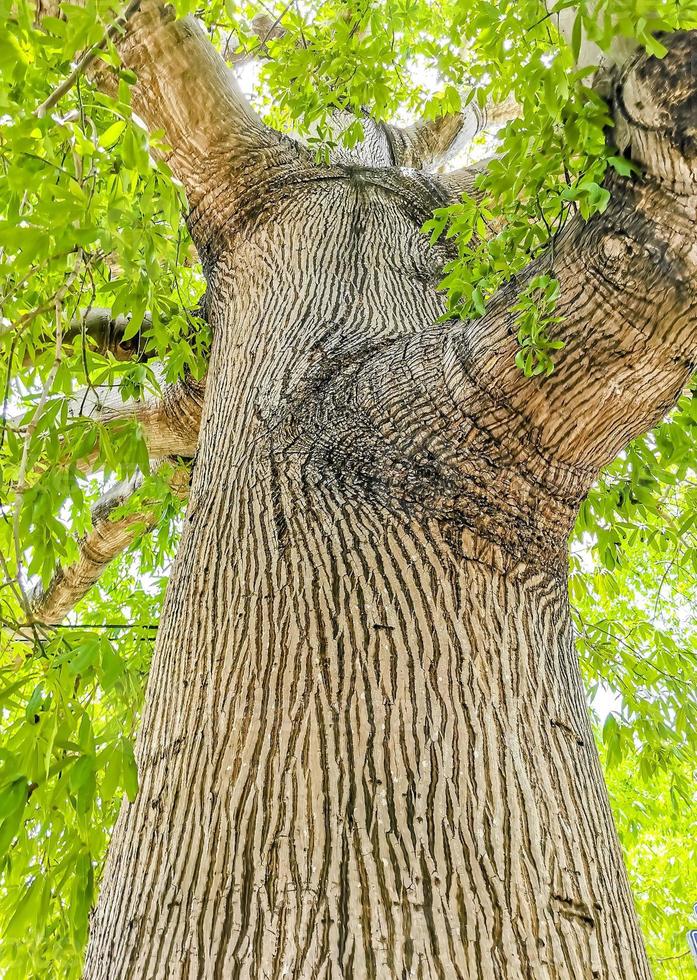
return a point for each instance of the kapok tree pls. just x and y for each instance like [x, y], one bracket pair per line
[365, 748]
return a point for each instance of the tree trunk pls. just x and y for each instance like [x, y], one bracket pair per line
[365, 750]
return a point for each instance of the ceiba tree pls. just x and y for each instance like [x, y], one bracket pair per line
[365, 747]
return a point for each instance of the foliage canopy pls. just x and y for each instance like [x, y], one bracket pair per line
[90, 217]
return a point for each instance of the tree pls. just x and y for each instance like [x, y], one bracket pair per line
[365, 747]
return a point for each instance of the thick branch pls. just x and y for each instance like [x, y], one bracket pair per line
[186, 90]
[430, 143]
[106, 335]
[484, 447]
[106, 541]
[628, 298]
[170, 424]
[628, 307]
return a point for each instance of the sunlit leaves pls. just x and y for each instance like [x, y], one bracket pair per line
[351, 57]
[633, 581]
[69, 702]
[67, 718]
[655, 819]
[535, 320]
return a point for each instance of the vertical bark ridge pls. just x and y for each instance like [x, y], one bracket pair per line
[365, 750]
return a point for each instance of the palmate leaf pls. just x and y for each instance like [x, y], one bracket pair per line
[89, 217]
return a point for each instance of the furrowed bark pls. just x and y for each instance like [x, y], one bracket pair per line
[428, 143]
[628, 307]
[365, 750]
[107, 540]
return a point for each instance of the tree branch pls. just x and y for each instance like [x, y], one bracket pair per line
[428, 144]
[106, 332]
[106, 541]
[170, 424]
[485, 447]
[185, 89]
[83, 63]
[628, 301]
[266, 28]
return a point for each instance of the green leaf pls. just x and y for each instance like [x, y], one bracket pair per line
[577, 34]
[112, 133]
[623, 166]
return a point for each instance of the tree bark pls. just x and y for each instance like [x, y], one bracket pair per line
[365, 750]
